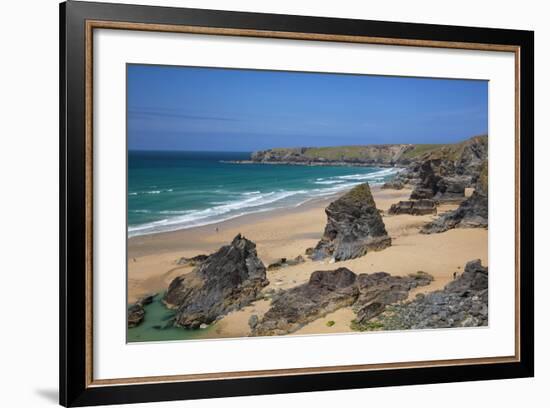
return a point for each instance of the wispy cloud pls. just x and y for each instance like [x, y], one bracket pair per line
[152, 113]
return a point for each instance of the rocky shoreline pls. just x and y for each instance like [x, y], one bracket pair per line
[234, 277]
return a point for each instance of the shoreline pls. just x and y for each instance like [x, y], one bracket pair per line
[316, 163]
[288, 232]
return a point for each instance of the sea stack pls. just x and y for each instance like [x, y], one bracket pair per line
[472, 213]
[227, 280]
[354, 227]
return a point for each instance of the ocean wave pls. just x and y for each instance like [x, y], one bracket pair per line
[136, 193]
[249, 202]
[329, 182]
[216, 214]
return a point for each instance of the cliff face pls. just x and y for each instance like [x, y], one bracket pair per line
[363, 155]
[470, 152]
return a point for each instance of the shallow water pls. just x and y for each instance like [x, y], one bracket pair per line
[156, 314]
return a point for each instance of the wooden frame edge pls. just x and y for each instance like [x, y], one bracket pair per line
[104, 24]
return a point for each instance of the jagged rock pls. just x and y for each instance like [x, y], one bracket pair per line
[462, 303]
[325, 292]
[136, 311]
[284, 262]
[228, 280]
[354, 226]
[309, 251]
[471, 213]
[451, 189]
[393, 185]
[429, 181]
[328, 291]
[377, 290]
[194, 261]
[419, 207]
[136, 314]
[421, 193]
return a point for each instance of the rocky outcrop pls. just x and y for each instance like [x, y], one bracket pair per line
[228, 280]
[471, 213]
[354, 227]
[284, 262]
[444, 172]
[452, 189]
[194, 261]
[328, 291]
[136, 311]
[378, 290]
[370, 155]
[462, 303]
[325, 292]
[413, 207]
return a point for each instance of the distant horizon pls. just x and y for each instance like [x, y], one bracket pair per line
[172, 108]
[291, 147]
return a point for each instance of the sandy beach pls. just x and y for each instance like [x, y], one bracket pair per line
[152, 259]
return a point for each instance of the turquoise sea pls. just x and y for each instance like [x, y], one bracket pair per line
[177, 190]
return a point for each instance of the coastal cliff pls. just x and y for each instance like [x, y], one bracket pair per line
[401, 155]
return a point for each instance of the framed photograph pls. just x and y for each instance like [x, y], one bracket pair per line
[256, 204]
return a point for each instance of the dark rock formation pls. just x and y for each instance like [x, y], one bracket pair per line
[444, 172]
[462, 303]
[325, 292]
[136, 311]
[472, 213]
[417, 207]
[328, 291]
[354, 226]
[451, 189]
[194, 261]
[393, 185]
[228, 280]
[429, 180]
[136, 314]
[378, 290]
[284, 262]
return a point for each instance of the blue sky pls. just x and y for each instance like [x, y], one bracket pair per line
[184, 108]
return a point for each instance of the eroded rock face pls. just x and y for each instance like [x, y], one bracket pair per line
[328, 291]
[325, 292]
[451, 189]
[136, 314]
[354, 227]
[227, 280]
[471, 213]
[413, 207]
[136, 311]
[380, 289]
[462, 303]
[193, 261]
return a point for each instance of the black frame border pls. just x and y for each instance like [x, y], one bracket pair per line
[72, 255]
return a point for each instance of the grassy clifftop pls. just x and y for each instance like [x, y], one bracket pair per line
[446, 151]
[388, 154]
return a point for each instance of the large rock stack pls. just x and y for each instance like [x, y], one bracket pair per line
[227, 280]
[354, 227]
